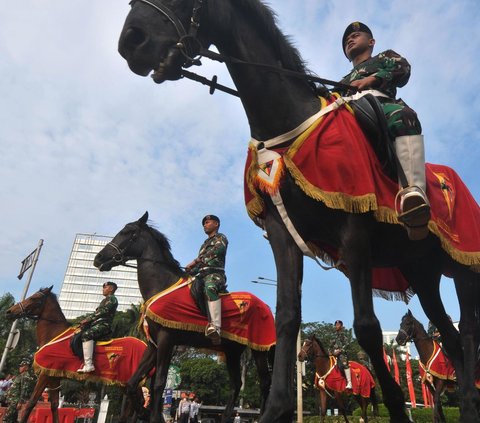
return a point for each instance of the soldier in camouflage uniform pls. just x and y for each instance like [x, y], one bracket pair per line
[20, 391]
[338, 348]
[381, 75]
[98, 325]
[210, 266]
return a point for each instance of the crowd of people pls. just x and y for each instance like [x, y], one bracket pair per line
[15, 390]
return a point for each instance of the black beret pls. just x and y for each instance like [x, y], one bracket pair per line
[355, 27]
[26, 362]
[210, 217]
[110, 283]
[339, 321]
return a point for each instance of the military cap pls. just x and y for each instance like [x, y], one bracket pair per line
[339, 321]
[110, 283]
[355, 27]
[210, 217]
[26, 362]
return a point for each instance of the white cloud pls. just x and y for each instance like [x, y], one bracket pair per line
[87, 145]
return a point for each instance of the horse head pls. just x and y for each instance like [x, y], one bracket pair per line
[32, 307]
[128, 244]
[306, 351]
[161, 36]
[407, 329]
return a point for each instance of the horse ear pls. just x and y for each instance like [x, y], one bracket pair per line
[50, 289]
[410, 313]
[143, 219]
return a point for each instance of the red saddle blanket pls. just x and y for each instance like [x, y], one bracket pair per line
[334, 163]
[362, 380]
[437, 365]
[440, 366]
[115, 361]
[245, 318]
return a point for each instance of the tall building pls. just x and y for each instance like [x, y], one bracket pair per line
[81, 290]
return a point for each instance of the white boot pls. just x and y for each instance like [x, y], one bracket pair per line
[414, 210]
[88, 348]
[214, 326]
[348, 376]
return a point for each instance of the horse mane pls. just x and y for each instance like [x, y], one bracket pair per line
[320, 345]
[54, 297]
[164, 245]
[265, 18]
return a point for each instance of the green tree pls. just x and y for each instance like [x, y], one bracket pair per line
[207, 378]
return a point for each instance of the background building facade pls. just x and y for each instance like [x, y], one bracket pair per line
[81, 290]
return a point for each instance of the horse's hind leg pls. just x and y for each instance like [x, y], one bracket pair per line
[355, 252]
[467, 285]
[164, 356]
[234, 371]
[53, 397]
[264, 376]
[341, 406]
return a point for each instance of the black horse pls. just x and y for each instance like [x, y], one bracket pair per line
[260, 60]
[158, 270]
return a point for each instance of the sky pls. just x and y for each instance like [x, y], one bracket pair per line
[87, 146]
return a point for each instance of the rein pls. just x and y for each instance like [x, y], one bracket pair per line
[36, 317]
[188, 41]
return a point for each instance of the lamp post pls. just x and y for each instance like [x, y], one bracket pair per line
[299, 366]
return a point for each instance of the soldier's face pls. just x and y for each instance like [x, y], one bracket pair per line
[357, 43]
[107, 289]
[210, 226]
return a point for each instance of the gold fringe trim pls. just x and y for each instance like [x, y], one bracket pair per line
[271, 188]
[193, 327]
[334, 200]
[68, 374]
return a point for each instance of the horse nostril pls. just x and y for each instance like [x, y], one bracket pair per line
[133, 37]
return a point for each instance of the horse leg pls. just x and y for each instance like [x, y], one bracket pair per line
[164, 356]
[323, 405]
[53, 397]
[356, 255]
[289, 264]
[363, 403]
[341, 406]
[232, 357]
[32, 401]
[425, 279]
[437, 390]
[264, 376]
[144, 367]
[467, 285]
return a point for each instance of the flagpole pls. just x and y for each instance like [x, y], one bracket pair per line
[8, 345]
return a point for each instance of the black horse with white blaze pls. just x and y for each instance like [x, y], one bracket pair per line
[162, 36]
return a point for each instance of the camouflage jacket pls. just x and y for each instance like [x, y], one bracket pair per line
[212, 255]
[340, 342]
[390, 69]
[22, 387]
[105, 312]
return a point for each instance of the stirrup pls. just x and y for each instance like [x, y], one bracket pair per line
[413, 210]
[213, 333]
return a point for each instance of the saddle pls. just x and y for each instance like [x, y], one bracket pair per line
[371, 119]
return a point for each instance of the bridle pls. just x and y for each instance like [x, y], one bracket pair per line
[410, 334]
[120, 256]
[308, 352]
[186, 40]
[191, 48]
[40, 305]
